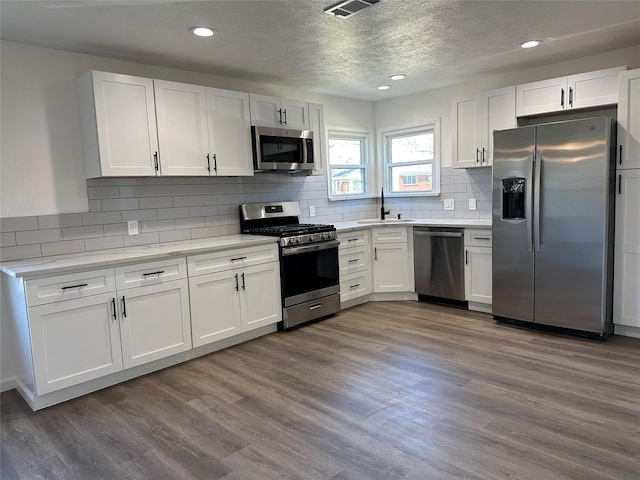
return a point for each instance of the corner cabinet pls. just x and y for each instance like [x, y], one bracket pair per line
[233, 292]
[392, 264]
[478, 269]
[118, 118]
[582, 90]
[267, 111]
[474, 118]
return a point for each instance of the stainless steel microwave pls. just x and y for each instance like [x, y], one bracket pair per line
[282, 149]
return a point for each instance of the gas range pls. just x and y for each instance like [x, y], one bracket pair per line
[309, 272]
[282, 220]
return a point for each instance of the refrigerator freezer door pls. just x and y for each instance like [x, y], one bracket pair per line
[570, 267]
[512, 253]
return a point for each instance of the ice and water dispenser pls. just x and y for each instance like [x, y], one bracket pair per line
[513, 198]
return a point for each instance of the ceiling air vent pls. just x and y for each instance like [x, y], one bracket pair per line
[349, 8]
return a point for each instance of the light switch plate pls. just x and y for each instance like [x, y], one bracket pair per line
[449, 204]
[472, 204]
[312, 211]
[132, 227]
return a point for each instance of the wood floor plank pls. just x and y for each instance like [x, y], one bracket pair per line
[387, 390]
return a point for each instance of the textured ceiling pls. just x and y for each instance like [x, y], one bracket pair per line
[292, 43]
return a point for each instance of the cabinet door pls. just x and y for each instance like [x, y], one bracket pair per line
[466, 131]
[182, 128]
[260, 302]
[154, 322]
[229, 132]
[265, 110]
[215, 307]
[123, 113]
[477, 274]
[541, 97]
[591, 89]
[626, 301]
[74, 341]
[295, 114]
[498, 113]
[320, 142]
[629, 119]
[391, 268]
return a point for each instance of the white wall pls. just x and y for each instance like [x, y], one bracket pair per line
[429, 105]
[41, 164]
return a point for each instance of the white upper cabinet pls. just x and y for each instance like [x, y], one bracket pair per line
[474, 118]
[229, 132]
[182, 128]
[203, 131]
[320, 142]
[582, 90]
[267, 111]
[629, 120]
[118, 120]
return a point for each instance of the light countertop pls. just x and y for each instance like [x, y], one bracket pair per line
[414, 222]
[118, 256]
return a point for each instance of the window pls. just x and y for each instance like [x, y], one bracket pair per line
[348, 157]
[411, 163]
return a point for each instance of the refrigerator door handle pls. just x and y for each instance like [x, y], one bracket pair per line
[537, 173]
[528, 203]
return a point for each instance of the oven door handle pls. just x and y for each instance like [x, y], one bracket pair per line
[286, 251]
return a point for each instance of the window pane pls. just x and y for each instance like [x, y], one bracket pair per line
[413, 148]
[411, 178]
[347, 181]
[345, 151]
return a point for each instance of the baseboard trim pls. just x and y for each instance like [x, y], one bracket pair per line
[7, 384]
[626, 331]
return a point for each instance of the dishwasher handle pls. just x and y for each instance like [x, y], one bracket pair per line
[423, 233]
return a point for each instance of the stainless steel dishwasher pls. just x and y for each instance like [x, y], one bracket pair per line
[438, 259]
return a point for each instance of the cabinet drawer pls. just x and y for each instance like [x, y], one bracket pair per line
[355, 285]
[354, 260]
[229, 259]
[150, 273]
[354, 239]
[389, 235]
[477, 238]
[71, 286]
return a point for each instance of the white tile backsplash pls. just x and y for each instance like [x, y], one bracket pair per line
[182, 208]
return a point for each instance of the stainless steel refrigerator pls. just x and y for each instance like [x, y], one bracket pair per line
[553, 224]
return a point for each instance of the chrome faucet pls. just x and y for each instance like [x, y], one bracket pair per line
[383, 212]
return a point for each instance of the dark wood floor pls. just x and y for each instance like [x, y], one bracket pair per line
[399, 390]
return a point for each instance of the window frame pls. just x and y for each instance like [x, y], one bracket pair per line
[366, 165]
[384, 161]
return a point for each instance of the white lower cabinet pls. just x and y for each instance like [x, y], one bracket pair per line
[626, 282]
[239, 292]
[355, 265]
[392, 265]
[74, 341]
[154, 322]
[478, 269]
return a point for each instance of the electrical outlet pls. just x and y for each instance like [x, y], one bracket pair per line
[472, 204]
[312, 211]
[449, 204]
[132, 227]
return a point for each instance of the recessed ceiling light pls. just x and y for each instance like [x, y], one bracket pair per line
[398, 76]
[383, 87]
[203, 31]
[530, 44]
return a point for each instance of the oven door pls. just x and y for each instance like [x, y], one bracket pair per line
[309, 272]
